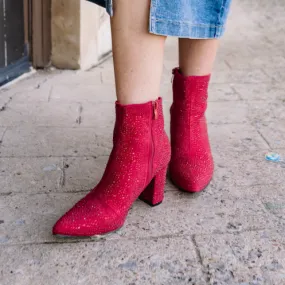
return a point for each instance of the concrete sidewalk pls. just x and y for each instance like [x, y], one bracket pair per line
[55, 137]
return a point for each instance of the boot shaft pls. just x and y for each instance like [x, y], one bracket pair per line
[190, 92]
[191, 166]
[140, 128]
[141, 148]
[188, 121]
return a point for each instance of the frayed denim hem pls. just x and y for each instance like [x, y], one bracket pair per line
[185, 29]
[207, 18]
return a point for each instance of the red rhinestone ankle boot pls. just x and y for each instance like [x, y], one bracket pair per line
[136, 168]
[191, 167]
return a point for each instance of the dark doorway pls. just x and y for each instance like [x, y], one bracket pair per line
[14, 51]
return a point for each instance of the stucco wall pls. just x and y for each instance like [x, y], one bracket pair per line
[80, 34]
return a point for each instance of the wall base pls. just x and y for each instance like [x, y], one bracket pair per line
[81, 34]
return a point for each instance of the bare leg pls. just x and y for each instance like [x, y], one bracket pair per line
[138, 55]
[196, 57]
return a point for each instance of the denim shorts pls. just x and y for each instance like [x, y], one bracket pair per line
[194, 19]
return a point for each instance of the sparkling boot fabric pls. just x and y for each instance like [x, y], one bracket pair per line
[136, 167]
[191, 167]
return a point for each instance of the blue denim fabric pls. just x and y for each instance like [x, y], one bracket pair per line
[196, 19]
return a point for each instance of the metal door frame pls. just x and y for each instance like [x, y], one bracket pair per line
[37, 40]
[13, 67]
[40, 32]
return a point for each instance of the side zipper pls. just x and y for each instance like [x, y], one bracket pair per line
[152, 150]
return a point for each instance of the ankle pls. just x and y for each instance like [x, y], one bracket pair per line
[190, 73]
[127, 102]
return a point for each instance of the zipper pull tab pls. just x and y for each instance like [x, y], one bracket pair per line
[155, 110]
